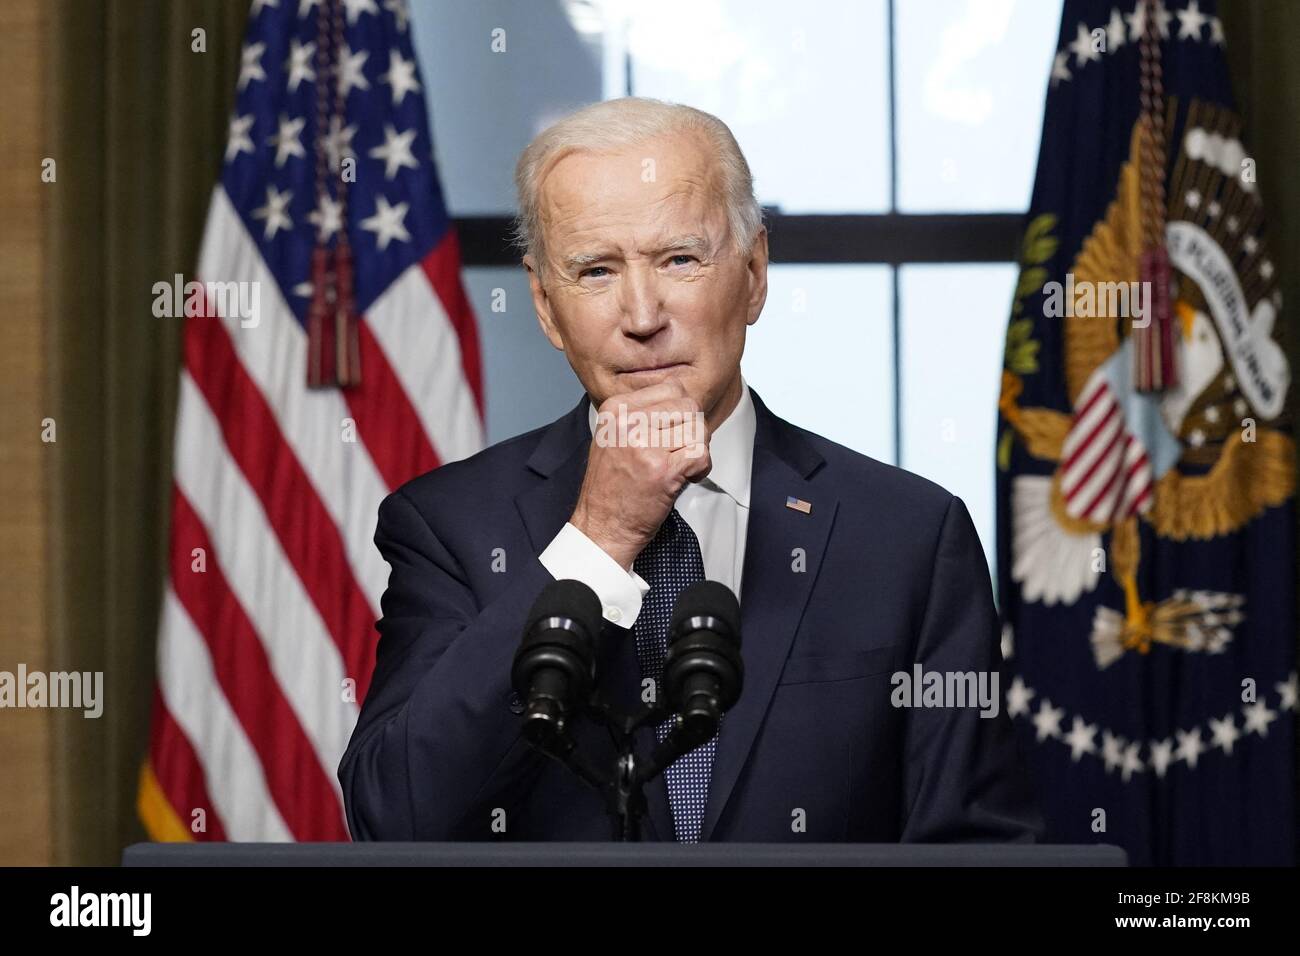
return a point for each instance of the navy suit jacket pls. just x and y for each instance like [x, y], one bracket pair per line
[885, 571]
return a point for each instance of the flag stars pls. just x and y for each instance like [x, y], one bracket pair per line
[1137, 21]
[358, 7]
[1287, 690]
[306, 6]
[1213, 209]
[1018, 696]
[387, 223]
[286, 140]
[1223, 734]
[1114, 31]
[1190, 21]
[237, 139]
[1047, 722]
[351, 75]
[275, 212]
[398, 9]
[1250, 245]
[299, 63]
[1132, 761]
[1266, 269]
[400, 76]
[1193, 199]
[1233, 223]
[338, 142]
[1060, 67]
[1258, 717]
[396, 151]
[1163, 16]
[1190, 746]
[1112, 750]
[1162, 754]
[1082, 47]
[1081, 739]
[250, 66]
[327, 217]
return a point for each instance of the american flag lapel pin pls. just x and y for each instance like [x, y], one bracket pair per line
[798, 504]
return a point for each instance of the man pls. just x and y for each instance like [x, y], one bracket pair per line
[647, 260]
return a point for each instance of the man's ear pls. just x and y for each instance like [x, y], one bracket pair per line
[757, 276]
[542, 304]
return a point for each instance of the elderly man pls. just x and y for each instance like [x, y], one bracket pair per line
[647, 260]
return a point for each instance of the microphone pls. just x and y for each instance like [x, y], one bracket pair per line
[703, 672]
[554, 669]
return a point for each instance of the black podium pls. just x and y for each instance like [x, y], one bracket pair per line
[621, 854]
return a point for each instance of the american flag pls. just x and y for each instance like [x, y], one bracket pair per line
[328, 198]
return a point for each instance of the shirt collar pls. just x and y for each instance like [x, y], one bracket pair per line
[731, 447]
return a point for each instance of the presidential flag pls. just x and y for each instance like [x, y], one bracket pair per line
[330, 354]
[1146, 465]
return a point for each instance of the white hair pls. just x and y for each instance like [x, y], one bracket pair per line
[614, 124]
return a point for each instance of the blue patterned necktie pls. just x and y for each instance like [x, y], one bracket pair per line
[671, 563]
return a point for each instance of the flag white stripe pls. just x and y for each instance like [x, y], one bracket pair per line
[274, 353]
[413, 329]
[1099, 446]
[303, 658]
[232, 772]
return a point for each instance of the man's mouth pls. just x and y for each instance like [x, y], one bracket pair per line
[665, 367]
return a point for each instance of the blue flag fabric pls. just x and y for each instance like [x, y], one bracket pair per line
[1145, 537]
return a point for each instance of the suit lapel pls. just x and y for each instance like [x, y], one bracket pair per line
[773, 593]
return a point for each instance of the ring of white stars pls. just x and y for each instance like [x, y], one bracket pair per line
[1192, 26]
[1119, 753]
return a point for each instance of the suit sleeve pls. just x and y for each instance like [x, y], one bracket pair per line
[963, 775]
[437, 748]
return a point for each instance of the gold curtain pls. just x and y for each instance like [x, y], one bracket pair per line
[137, 123]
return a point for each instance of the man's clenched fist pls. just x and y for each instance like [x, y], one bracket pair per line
[634, 475]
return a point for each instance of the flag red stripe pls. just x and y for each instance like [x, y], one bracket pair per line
[387, 422]
[294, 775]
[1115, 474]
[1076, 485]
[310, 539]
[1105, 420]
[179, 773]
[442, 266]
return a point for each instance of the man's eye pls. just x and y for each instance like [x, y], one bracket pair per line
[683, 256]
[591, 273]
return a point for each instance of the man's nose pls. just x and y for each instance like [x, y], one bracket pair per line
[642, 304]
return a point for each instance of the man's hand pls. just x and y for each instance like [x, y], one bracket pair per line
[631, 485]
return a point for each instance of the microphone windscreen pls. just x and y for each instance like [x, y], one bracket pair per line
[708, 598]
[568, 598]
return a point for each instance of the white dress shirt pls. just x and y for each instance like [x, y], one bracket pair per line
[716, 508]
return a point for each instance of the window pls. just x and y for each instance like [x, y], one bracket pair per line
[893, 143]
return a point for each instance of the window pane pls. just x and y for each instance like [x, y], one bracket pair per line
[951, 330]
[526, 382]
[803, 87]
[972, 76]
[487, 104]
[821, 354]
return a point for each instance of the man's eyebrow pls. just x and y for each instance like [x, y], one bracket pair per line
[695, 243]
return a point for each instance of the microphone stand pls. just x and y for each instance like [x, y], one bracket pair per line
[624, 789]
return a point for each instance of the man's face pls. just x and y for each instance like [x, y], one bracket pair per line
[642, 281]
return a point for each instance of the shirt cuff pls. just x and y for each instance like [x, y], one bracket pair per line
[571, 554]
